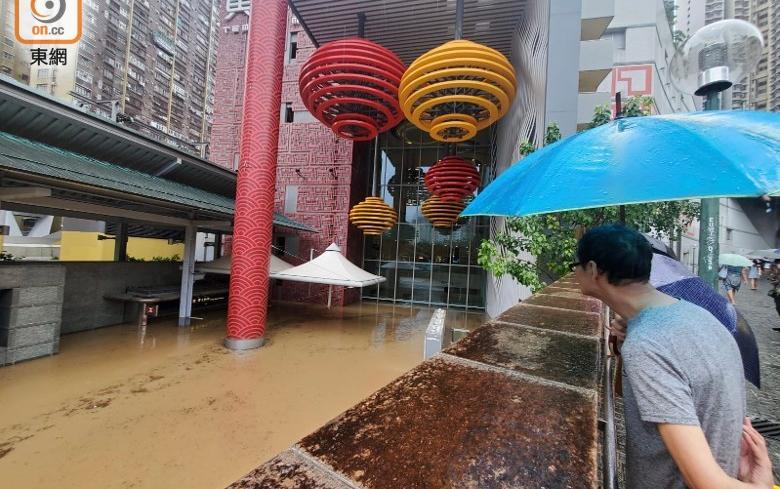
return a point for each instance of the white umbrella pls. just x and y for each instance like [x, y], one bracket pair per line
[330, 268]
[222, 266]
[769, 255]
[733, 260]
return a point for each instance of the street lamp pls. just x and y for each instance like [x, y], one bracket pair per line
[711, 61]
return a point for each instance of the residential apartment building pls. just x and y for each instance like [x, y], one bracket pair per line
[151, 60]
[643, 51]
[760, 91]
[13, 57]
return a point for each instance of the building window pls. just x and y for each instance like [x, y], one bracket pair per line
[288, 113]
[291, 199]
[729, 234]
[236, 159]
[292, 47]
[423, 264]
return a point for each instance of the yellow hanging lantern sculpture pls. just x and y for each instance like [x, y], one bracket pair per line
[373, 216]
[442, 214]
[457, 89]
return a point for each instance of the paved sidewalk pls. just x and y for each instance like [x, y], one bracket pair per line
[759, 310]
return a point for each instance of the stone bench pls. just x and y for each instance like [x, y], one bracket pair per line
[513, 404]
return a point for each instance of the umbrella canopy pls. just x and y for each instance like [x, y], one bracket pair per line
[660, 247]
[222, 265]
[769, 255]
[330, 268]
[673, 278]
[643, 159]
[732, 260]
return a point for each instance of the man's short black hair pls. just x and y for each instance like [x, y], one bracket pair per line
[623, 254]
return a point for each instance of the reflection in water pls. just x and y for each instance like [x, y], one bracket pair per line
[164, 406]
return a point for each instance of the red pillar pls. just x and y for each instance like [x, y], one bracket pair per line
[253, 223]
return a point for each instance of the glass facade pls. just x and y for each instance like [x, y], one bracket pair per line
[423, 264]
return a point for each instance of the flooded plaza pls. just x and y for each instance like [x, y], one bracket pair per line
[170, 407]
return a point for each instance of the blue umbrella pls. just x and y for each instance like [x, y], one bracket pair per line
[643, 159]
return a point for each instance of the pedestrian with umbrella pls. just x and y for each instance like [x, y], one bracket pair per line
[774, 292]
[736, 273]
[754, 273]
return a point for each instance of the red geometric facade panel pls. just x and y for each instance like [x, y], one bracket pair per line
[323, 201]
[253, 221]
[632, 80]
[229, 88]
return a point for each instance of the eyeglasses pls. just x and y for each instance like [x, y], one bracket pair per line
[574, 265]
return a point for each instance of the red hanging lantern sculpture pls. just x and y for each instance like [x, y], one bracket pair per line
[452, 179]
[351, 86]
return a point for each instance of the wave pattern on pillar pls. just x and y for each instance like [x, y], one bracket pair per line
[253, 224]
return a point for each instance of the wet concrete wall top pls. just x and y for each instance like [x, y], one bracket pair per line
[513, 404]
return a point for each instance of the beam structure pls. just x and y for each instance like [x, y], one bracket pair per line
[187, 276]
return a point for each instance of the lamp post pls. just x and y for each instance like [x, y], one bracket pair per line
[711, 61]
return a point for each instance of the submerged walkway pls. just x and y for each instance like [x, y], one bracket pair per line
[173, 408]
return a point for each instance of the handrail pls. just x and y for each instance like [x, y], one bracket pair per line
[610, 443]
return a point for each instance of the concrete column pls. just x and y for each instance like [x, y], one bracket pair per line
[253, 222]
[187, 276]
[120, 244]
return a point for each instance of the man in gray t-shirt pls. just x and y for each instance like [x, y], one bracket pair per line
[684, 394]
[681, 366]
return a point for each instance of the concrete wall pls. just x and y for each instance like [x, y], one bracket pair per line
[31, 298]
[536, 381]
[87, 282]
[738, 234]
[563, 61]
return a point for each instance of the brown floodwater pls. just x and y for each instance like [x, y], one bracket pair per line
[170, 407]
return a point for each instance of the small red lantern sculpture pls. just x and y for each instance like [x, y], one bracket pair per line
[441, 214]
[351, 86]
[452, 179]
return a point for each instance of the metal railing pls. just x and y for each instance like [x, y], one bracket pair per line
[609, 452]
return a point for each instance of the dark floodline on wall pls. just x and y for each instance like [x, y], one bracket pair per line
[306, 29]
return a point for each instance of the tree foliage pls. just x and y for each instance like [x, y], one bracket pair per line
[536, 250]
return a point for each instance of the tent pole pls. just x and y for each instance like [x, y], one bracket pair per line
[330, 294]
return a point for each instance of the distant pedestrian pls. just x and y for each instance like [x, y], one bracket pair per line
[734, 278]
[774, 292]
[754, 273]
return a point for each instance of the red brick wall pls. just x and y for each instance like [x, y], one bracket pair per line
[323, 201]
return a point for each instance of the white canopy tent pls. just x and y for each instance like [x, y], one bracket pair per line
[222, 266]
[330, 268]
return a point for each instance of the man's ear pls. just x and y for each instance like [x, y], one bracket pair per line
[593, 270]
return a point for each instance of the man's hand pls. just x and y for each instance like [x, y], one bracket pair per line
[754, 463]
[617, 333]
[691, 452]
